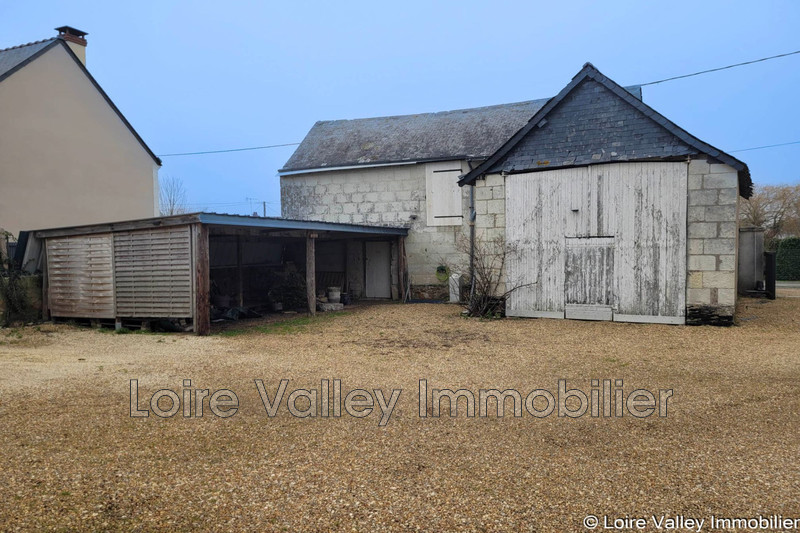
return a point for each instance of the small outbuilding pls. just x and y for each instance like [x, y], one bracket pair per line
[179, 267]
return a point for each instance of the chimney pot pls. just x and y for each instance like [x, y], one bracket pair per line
[75, 39]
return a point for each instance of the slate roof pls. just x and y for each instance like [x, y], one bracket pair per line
[594, 120]
[14, 58]
[17, 56]
[460, 134]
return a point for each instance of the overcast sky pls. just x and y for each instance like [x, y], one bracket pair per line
[201, 75]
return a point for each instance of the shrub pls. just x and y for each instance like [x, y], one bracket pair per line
[788, 259]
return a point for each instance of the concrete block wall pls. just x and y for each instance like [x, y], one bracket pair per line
[387, 196]
[712, 233]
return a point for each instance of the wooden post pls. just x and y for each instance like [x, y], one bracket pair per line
[202, 283]
[45, 283]
[401, 267]
[239, 271]
[311, 273]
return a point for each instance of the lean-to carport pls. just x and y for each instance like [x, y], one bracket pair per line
[168, 267]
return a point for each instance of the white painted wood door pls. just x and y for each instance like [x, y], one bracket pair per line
[642, 205]
[378, 259]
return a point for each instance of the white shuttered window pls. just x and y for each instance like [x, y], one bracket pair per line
[442, 194]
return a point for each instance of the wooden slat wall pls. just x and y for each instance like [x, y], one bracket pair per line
[80, 276]
[641, 205]
[153, 273]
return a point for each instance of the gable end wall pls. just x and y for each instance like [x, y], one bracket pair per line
[592, 125]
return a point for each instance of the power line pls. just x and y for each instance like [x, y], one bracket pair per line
[767, 146]
[250, 148]
[720, 68]
[230, 150]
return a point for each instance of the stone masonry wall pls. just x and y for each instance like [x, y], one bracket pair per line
[490, 214]
[388, 196]
[712, 243]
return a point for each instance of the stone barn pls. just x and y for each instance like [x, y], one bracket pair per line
[612, 211]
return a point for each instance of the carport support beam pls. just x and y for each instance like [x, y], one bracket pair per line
[202, 281]
[311, 274]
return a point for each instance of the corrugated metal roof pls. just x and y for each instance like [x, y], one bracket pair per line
[221, 219]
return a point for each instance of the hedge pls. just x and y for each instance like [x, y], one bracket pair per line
[788, 259]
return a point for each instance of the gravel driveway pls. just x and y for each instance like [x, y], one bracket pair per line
[74, 459]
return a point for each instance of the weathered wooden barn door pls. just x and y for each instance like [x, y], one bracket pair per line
[378, 278]
[81, 276]
[553, 216]
[589, 278]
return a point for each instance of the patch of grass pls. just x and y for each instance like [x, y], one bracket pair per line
[300, 324]
[122, 331]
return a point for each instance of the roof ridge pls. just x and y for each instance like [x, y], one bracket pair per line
[27, 44]
[523, 102]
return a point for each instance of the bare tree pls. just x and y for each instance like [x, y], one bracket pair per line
[774, 208]
[173, 196]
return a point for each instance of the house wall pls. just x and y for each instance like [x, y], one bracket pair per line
[388, 196]
[713, 243]
[66, 158]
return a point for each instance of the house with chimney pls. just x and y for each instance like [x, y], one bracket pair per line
[67, 154]
[607, 209]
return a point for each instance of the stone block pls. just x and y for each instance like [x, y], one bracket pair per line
[495, 180]
[728, 180]
[702, 262]
[497, 207]
[702, 230]
[484, 221]
[698, 166]
[720, 168]
[695, 280]
[728, 196]
[719, 280]
[698, 296]
[481, 207]
[702, 197]
[728, 230]
[483, 193]
[721, 213]
[696, 213]
[499, 193]
[726, 263]
[726, 297]
[350, 208]
[719, 246]
[695, 246]
[695, 182]
[371, 197]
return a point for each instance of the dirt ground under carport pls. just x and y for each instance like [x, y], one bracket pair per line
[74, 459]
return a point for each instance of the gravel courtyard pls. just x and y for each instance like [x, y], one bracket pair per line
[73, 458]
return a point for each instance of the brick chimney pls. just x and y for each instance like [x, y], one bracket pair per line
[75, 39]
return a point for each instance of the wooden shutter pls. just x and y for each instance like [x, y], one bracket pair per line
[442, 194]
